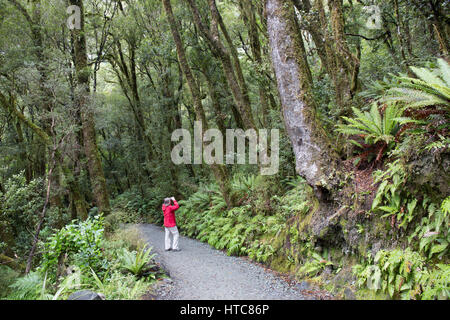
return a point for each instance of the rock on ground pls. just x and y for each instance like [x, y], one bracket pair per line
[86, 295]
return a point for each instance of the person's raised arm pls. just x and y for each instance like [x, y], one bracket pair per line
[175, 204]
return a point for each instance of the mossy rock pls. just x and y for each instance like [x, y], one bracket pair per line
[367, 294]
[280, 264]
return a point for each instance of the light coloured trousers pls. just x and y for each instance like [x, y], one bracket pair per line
[175, 235]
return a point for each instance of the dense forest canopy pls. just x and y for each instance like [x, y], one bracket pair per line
[91, 92]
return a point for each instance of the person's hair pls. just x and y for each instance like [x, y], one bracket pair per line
[166, 201]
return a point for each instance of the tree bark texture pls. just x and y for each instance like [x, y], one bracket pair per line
[98, 181]
[316, 161]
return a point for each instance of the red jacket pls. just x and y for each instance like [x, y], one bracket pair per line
[169, 214]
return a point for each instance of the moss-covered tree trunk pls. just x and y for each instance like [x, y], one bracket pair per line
[98, 181]
[315, 159]
[23, 149]
[219, 171]
[215, 102]
[346, 63]
[79, 202]
[249, 17]
[329, 38]
[230, 65]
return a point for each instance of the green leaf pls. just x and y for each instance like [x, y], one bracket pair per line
[391, 290]
[437, 249]
[427, 76]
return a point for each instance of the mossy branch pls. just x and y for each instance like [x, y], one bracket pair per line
[5, 104]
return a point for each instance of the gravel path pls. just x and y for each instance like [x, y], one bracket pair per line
[199, 272]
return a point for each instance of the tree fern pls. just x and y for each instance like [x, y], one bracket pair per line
[371, 125]
[243, 185]
[431, 88]
[136, 262]
[376, 89]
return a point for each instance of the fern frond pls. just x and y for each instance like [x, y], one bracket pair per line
[444, 67]
[427, 76]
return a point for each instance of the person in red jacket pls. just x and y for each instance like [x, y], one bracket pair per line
[170, 224]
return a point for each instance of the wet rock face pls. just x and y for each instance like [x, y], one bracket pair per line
[426, 170]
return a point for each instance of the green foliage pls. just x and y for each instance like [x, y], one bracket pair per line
[19, 208]
[409, 274]
[376, 89]
[395, 200]
[372, 126]
[391, 196]
[377, 130]
[131, 201]
[29, 287]
[315, 264]
[261, 251]
[399, 270]
[431, 88]
[436, 283]
[118, 286]
[134, 140]
[244, 187]
[7, 277]
[404, 274]
[82, 242]
[128, 237]
[245, 229]
[420, 99]
[110, 280]
[136, 262]
[120, 217]
[433, 231]
[441, 144]
[294, 202]
[114, 286]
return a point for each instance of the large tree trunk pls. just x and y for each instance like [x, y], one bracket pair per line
[79, 202]
[98, 181]
[316, 161]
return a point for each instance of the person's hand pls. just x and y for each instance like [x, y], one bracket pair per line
[173, 198]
